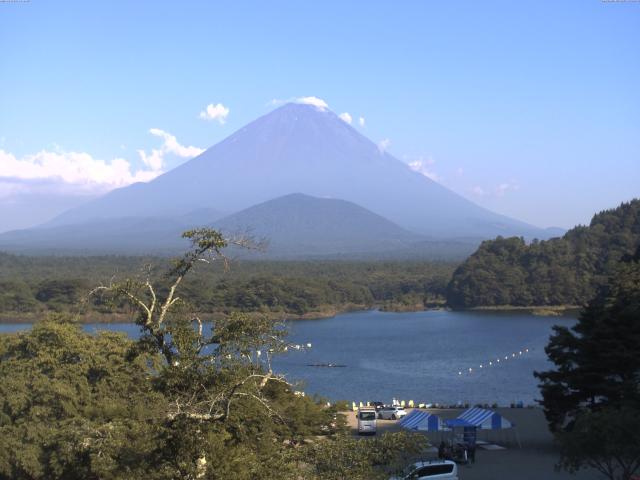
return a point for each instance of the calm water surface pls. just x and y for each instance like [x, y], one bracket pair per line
[413, 355]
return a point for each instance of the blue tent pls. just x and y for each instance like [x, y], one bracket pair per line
[458, 422]
[482, 419]
[422, 421]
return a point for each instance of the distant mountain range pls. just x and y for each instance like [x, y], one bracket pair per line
[354, 198]
[294, 226]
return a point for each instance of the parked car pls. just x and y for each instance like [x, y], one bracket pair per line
[430, 470]
[377, 405]
[391, 413]
[366, 421]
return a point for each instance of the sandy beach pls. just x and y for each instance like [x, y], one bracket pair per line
[534, 460]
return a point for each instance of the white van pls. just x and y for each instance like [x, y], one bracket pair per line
[366, 420]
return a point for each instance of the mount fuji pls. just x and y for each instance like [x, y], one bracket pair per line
[296, 148]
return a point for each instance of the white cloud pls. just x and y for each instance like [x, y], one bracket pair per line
[78, 170]
[153, 160]
[460, 171]
[361, 121]
[215, 112]
[384, 144]
[479, 191]
[65, 172]
[170, 145]
[319, 103]
[422, 165]
[346, 117]
[315, 101]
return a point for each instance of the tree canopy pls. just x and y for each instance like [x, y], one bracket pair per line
[594, 389]
[188, 400]
[560, 271]
[33, 286]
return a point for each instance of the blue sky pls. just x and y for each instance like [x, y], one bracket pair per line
[531, 109]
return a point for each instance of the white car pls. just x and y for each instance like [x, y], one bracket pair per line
[431, 470]
[391, 413]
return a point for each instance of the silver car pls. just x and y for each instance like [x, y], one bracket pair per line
[391, 413]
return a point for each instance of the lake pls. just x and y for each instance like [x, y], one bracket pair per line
[422, 356]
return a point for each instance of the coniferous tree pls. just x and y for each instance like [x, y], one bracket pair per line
[596, 381]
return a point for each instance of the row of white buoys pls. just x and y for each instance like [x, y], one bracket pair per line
[496, 362]
[297, 346]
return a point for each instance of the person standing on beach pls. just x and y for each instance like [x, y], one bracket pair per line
[441, 450]
[471, 450]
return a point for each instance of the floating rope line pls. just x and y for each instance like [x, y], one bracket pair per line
[496, 362]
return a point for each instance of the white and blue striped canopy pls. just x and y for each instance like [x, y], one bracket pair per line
[485, 419]
[422, 421]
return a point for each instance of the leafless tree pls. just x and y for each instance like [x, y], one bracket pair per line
[207, 367]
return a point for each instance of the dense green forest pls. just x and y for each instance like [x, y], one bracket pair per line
[561, 271]
[179, 402]
[30, 286]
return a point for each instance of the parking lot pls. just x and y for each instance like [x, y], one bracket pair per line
[534, 461]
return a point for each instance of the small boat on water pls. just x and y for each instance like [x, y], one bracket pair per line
[326, 365]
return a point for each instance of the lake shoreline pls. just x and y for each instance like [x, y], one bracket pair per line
[541, 310]
[324, 312]
[118, 318]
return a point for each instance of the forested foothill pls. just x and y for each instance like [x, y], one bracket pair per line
[561, 271]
